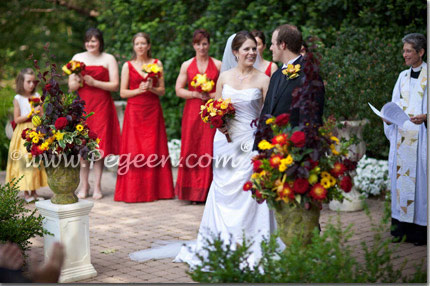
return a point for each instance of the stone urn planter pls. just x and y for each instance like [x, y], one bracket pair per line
[293, 221]
[63, 182]
[353, 200]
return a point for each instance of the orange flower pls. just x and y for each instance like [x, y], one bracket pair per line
[275, 161]
[285, 192]
[338, 169]
[280, 139]
[247, 186]
[318, 192]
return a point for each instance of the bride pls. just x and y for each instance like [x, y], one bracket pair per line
[229, 210]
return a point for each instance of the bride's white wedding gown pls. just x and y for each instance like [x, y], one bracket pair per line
[229, 210]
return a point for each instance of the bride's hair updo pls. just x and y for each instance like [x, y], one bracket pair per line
[240, 38]
[148, 41]
[199, 35]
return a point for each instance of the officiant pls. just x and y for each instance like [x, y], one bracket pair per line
[408, 146]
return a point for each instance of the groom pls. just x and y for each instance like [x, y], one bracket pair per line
[286, 44]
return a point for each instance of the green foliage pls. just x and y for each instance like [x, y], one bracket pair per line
[17, 223]
[328, 259]
[6, 114]
[359, 68]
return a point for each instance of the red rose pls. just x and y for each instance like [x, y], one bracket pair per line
[92, 135]
[318, 192]
[346, 184]
[61, 123]
[247, 186]
[282, 119]
[34, 99]
[35, 150]
[301, 185]
[298, 138]
[258, 195]
[24, 133]
[257, 164]
[217, 121]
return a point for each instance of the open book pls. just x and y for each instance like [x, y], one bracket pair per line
[392, 113]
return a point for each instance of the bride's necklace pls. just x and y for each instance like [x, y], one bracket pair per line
[242, 77]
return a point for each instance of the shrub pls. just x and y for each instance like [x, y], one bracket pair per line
[328, 259]
[17, 223]
[361, 67]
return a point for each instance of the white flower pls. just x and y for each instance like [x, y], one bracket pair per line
[174, 151]
[372, 176]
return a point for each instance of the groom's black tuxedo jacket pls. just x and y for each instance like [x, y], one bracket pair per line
[279, 96]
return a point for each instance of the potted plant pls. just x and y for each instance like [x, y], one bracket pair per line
[296, 171]
[60, 137]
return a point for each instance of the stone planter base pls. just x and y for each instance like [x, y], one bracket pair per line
[69, 225]
[352, 203]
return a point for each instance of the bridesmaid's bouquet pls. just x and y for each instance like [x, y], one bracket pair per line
[153, 70]
[217, 112]
[202, 83]
[34, 102]
[75, 67]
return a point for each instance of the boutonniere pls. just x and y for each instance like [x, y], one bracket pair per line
[291, 71]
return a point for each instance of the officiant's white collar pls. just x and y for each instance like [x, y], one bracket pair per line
[291, 61]
[417, 68]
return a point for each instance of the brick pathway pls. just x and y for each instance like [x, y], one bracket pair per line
[117, 229]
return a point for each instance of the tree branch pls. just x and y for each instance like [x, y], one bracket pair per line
[63, 3]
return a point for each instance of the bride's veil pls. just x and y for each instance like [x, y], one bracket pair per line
[229, 60]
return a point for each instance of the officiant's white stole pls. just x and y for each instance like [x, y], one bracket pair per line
[411, 100]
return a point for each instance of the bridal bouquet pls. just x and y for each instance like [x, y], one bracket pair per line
[153, 70]
[296, 168]
[217, 112]
[202, 83]
[75, 67]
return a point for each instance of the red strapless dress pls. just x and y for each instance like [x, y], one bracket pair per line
[104, 121]
[144, 142]
[193, 182]
[268, 71]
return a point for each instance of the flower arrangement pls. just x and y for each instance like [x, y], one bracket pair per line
[153, 70]
[75, 67]
[291, 71]
[297, 168]
[217, 112]
[62, 129]
[202, 83]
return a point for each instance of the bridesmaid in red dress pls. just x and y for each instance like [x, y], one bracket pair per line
[194, 180]
[265, 66]
[144, 171]
[99, 79]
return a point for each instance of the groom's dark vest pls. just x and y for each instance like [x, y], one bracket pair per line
[279, 97]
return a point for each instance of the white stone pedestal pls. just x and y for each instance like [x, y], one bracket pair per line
[352, 202]
[69, 225]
